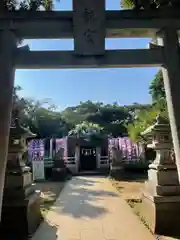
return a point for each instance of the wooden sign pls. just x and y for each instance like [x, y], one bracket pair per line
[89, 27]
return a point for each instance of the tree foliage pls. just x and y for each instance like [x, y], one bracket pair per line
[110, 117]
[43, 118]
[92, 117]
[156, 88]
[145, 117]
[25, 5]
[158, 94]
[149, 4]
[86, 129]
[91, 132]
[142, 121]
[19, 105]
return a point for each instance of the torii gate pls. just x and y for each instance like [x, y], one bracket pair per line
[89, 24]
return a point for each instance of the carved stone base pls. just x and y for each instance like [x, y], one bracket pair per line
[14, 180]
[162, 213]
[20, 219]
[163, 175]
[163, 181]
[14, 194]
[166, 190]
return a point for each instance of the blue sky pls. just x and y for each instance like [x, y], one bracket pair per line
[69, 87]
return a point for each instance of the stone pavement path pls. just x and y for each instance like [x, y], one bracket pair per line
[89, 208]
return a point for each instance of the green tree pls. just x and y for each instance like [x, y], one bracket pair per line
[89, 131]
[43, 120]
[86, 129]
[147, 4]
[146, 116]
[111, 117]
[72, 116]
[18, 104]
[25, 5]
[143, 120]
[156, 88]
[134, 109]
[157, 91]
[127, 3]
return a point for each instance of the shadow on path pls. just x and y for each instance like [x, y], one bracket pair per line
[80, 199]
[85, 181]
[49, 230]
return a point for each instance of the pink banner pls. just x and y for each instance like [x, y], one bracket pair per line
[130, 151]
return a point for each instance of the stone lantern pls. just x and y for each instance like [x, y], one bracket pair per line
[161, 196]
[21, 203]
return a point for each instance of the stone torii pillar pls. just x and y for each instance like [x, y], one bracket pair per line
[7, 71]
[171, 76]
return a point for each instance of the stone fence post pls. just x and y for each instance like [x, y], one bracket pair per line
[116, 167]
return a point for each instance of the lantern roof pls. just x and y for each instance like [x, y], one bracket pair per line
[17, 130]
[161, 126]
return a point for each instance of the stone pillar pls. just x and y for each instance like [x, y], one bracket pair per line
[7, 71]
[77, 157]
[51, 149]
[59, 170]
[142, 152]
[98, 157]
[21, 203]
[116, 167]
[161, 196]
[171, 75]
